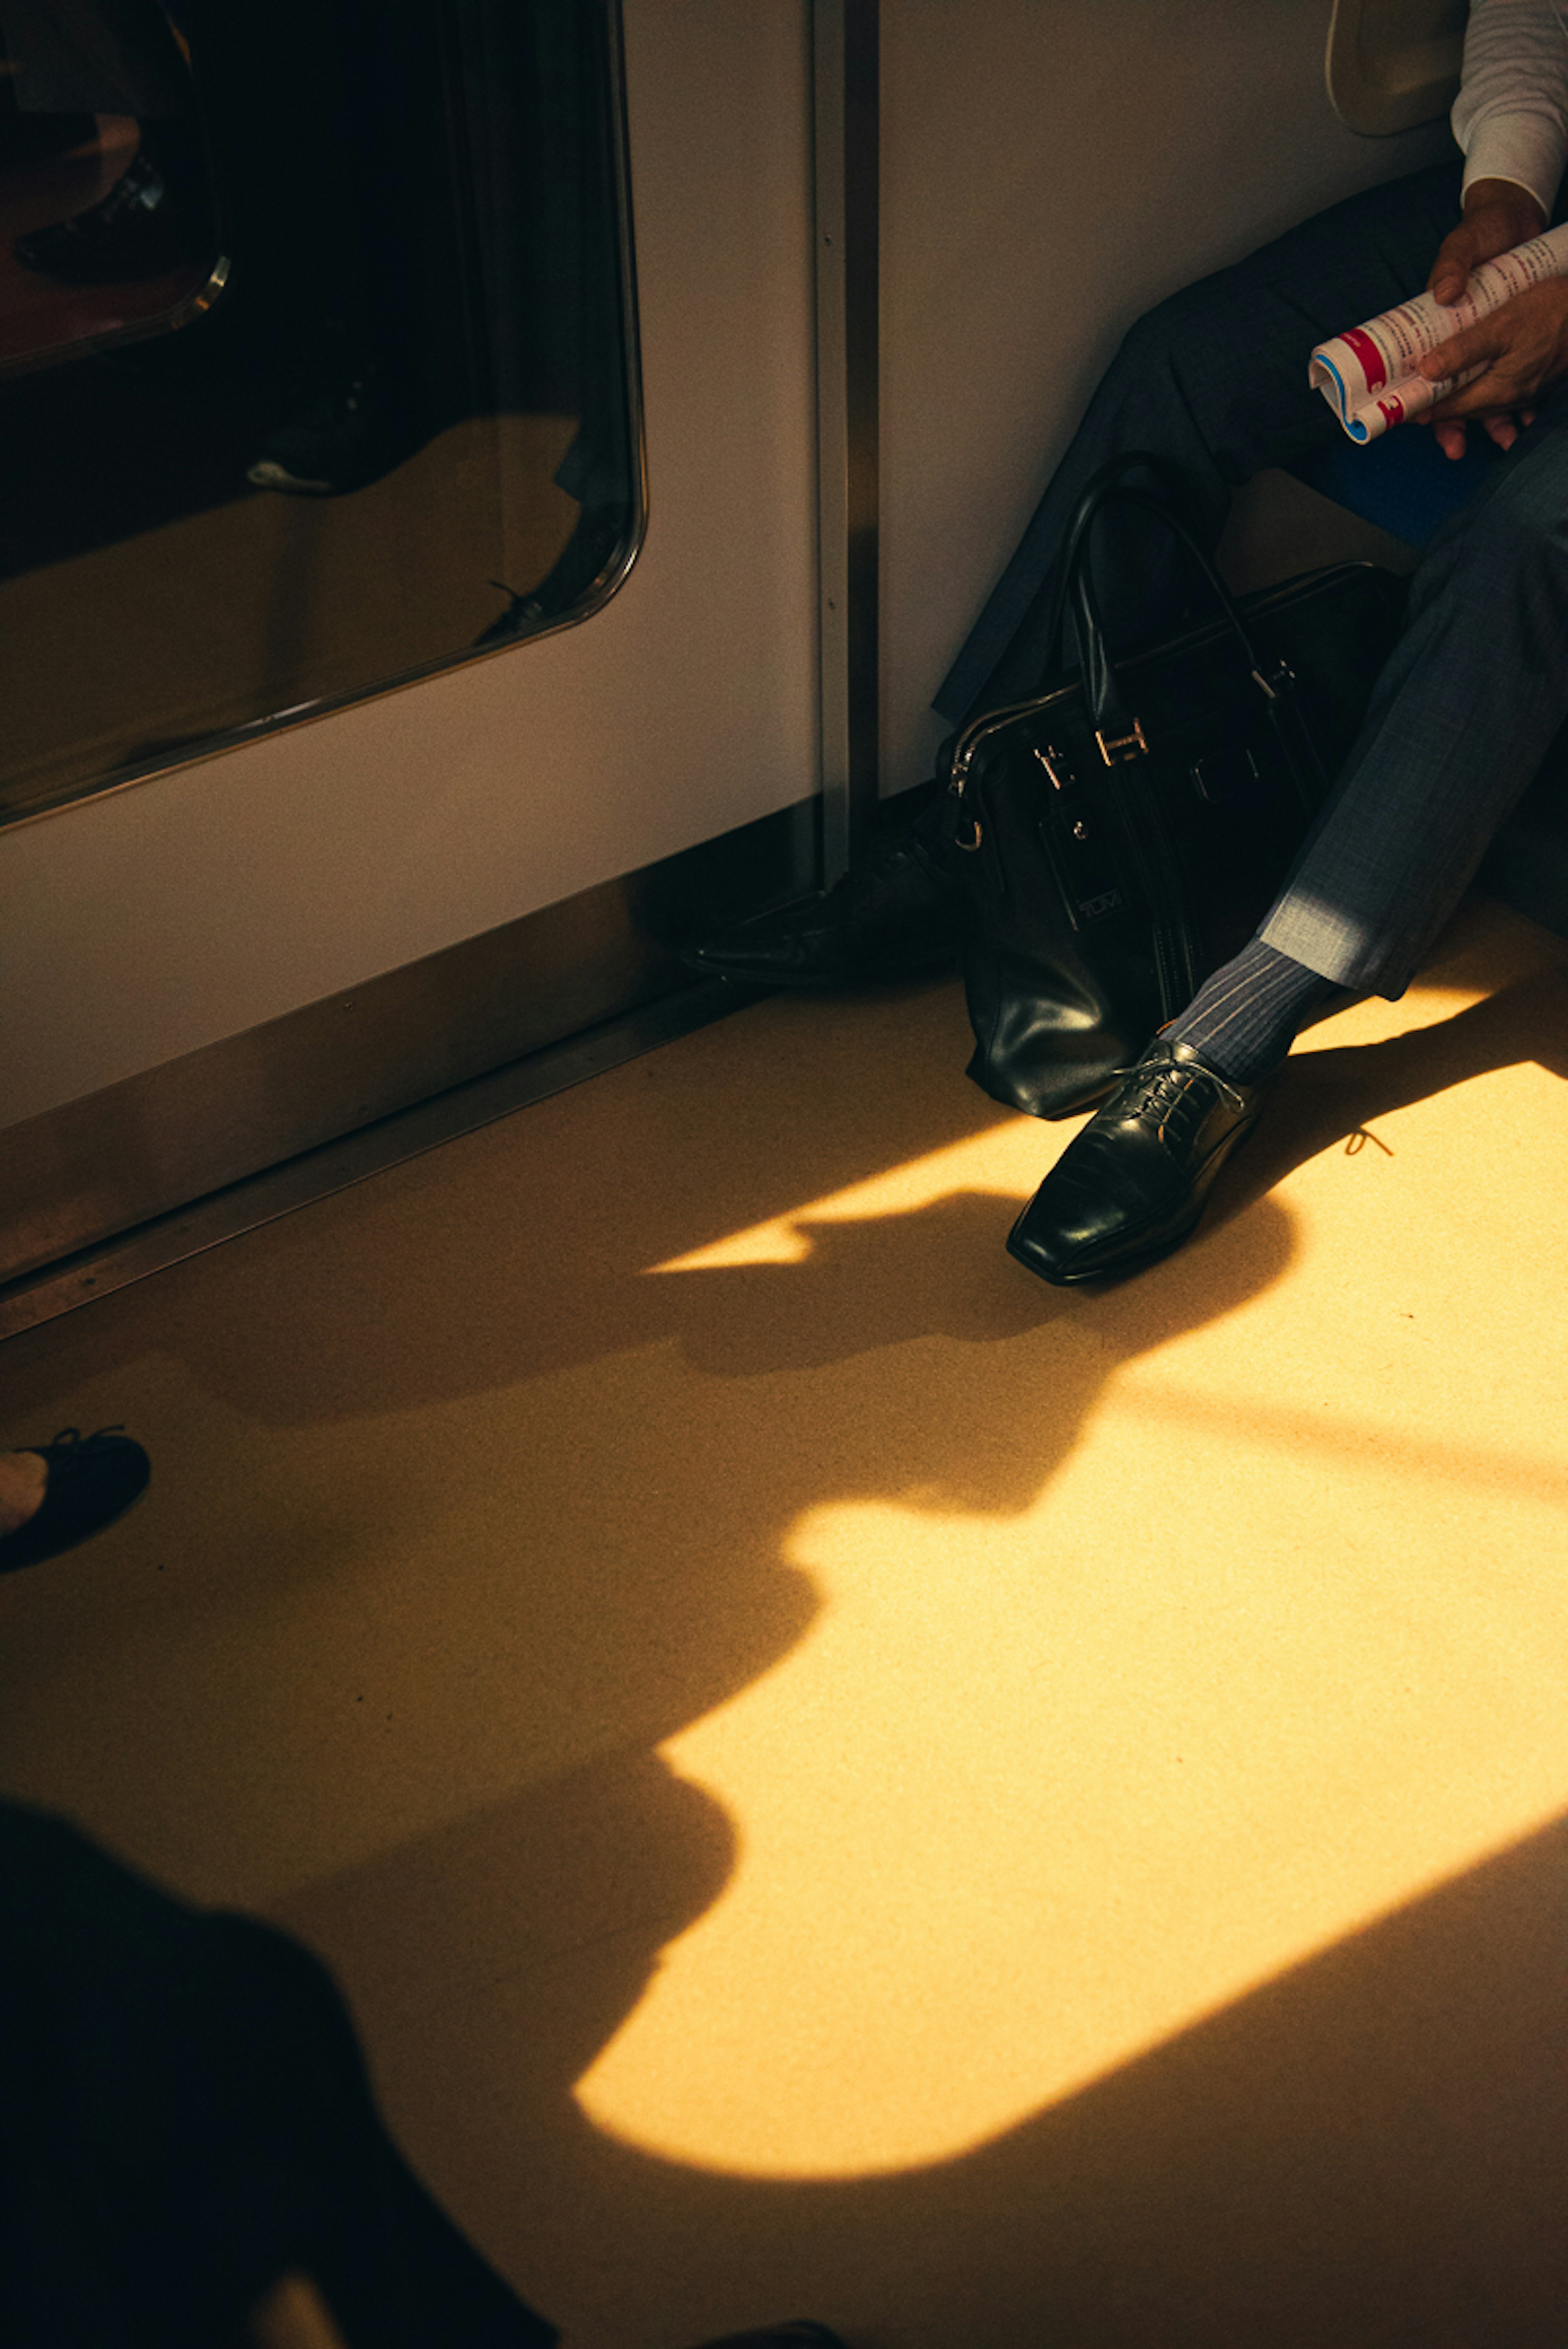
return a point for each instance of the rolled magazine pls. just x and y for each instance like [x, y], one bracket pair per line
[1368, 375]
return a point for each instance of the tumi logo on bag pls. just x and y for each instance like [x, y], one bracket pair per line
[1073, 843]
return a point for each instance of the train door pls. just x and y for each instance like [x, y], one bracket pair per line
[281, 922]
[226, 948]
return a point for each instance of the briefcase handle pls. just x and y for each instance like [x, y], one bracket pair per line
[1117, 728]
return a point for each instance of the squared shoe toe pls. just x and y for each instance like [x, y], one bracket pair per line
[1130, 1187]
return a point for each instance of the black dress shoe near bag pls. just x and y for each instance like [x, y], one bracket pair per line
[1130, 1187]
[93, 1480]
[896, 917]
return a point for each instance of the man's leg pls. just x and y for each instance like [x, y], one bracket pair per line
[1213, 380]
[1463, 714]
[187, 2131]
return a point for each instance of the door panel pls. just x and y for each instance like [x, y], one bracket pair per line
[160, 918]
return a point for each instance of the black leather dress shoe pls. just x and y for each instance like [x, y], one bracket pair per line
[895, 917]
[93, 1480]
[1130, 1187]
[346, 428]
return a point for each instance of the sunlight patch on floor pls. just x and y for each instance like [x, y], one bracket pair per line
[1007, 1160]
[1278, 1648]
[1059, 1667]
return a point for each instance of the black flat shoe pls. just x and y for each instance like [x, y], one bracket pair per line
[138, 230]
[1131, 1186]
[896, 917]
[93, 1480]
[345, 431]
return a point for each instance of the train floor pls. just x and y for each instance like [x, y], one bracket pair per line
[840, 1780]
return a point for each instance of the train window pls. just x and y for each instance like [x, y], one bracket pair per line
[318, 359]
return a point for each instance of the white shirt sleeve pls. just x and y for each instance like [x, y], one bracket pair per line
[1511, 114]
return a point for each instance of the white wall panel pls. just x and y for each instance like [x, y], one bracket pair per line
[1049, 169]
[165, 916]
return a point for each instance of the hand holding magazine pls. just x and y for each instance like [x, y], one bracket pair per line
[1368, 375]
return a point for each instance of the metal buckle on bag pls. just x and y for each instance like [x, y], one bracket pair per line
[1122, 748]
[970, 846]
[1047, 758]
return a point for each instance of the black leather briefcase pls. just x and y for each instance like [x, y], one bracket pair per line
[1125, 830]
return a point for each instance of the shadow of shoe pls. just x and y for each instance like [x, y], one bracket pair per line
[1330, 1096]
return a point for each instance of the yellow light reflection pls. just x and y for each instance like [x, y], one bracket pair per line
[1008, 1160]
[1002, 1829]
[1039, 1790]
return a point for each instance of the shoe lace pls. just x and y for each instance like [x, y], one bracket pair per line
[1165, 1084]
[70, 1440]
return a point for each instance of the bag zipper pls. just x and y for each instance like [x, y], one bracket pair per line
[1261, 602]
[1174, 974]
[961, 756]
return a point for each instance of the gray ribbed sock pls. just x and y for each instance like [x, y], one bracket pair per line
[1245, 1018]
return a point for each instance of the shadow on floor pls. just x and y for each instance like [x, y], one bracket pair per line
[1368, 2152]
[1332, 1096]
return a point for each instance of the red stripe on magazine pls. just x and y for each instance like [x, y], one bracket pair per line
[1369, 356]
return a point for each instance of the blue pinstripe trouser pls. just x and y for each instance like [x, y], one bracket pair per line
[1215, 379]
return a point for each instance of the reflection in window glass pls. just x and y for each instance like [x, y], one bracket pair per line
[401, 429]
[107, 222]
